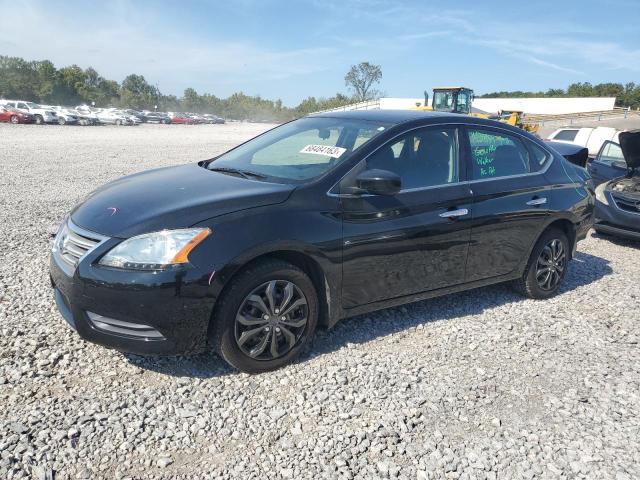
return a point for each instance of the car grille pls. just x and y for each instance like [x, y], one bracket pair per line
[72, 243]
[627, 204]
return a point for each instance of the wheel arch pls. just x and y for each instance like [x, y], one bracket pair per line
[567, 227]
[300, 259]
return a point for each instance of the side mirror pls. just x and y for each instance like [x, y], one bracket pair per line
[378, 182]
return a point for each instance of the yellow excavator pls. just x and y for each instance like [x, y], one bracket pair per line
[459, 100]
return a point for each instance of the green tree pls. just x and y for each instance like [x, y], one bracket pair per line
[361, 78]
[135, 92]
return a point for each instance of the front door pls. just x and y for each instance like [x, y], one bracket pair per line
[416, 240]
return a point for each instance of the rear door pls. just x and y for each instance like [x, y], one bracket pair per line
[416, 240]
[509, 200]
[608, 164]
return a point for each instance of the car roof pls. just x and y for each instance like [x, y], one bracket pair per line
[397, 117]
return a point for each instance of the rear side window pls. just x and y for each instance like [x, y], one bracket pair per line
[497, 154]
[539, 157]
[566, 135]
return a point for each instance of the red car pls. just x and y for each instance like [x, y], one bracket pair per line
[181, 118]
[8, 114]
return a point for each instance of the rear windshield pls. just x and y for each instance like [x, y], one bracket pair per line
[301, 150]
[566, 135]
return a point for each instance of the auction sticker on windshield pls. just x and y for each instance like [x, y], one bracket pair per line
[326, 150]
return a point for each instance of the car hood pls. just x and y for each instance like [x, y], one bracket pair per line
[171, 197]
[630, 145]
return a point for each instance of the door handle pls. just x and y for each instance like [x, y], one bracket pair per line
[537, 201]
[454, 213]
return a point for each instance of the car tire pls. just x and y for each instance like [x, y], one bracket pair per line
[291, 337]
[14, 119]
[118, 122]
[39, 120]
[547, 266]
[61, 121]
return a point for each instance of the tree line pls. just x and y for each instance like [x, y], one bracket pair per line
[41, 82]
[627, 95]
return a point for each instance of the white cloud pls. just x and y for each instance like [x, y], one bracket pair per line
[124, 42]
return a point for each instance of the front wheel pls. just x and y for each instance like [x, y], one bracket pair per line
[547, 266]
[61, 121]
[266, 317]
[14, 119]
[39, 120]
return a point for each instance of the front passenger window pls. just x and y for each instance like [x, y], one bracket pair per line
[497, 155]
[422, 158]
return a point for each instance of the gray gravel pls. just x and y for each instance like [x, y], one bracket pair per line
[481, 384]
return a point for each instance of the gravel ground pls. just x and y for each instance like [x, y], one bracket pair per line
[481, 384]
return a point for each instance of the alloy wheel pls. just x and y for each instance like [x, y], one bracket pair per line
[14, 119]
[271, 320]
[550, 265]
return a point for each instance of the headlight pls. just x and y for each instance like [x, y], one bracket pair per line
[153, 251]
[600, 195]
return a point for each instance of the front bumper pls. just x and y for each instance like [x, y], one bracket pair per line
[139, 312]
[613, 220]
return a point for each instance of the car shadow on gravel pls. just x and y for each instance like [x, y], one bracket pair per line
[583, 270]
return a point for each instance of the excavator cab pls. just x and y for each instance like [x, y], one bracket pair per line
[452, 99]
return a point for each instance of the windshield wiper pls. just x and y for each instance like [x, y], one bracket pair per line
[237, 171]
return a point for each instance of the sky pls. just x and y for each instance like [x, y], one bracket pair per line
[295, 49]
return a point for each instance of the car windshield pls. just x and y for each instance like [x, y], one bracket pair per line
[300, 150]
[32, 105]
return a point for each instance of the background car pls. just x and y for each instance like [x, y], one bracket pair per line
[141, 116]
[213, 119]
[12, 115]
[157, 117]
[181, 118]
[617, 209]
[40, 114]
[589, 137]
[609, 163]
[113, 117]
[66, 116]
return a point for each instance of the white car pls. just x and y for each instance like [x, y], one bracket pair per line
[131, 119]
[113, 117]
[590, 137]
[40, 113]
[65, 115]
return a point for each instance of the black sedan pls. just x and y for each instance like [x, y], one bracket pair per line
[322, 218]
[618, 201]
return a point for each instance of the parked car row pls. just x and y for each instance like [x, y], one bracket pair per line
[20, 111]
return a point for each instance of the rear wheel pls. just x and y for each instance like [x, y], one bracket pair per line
[14, 119]
[61, 121]
[266, 317]
[547, 266]
[118, 122]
